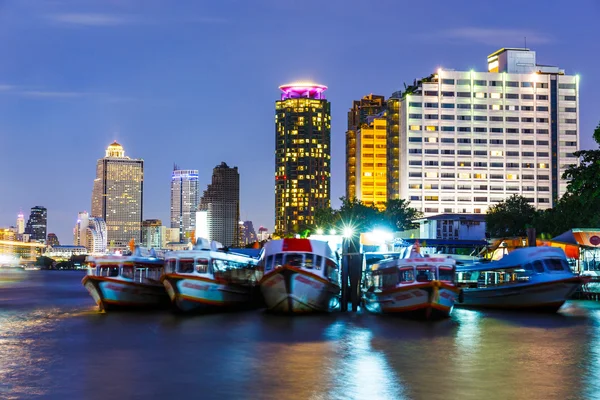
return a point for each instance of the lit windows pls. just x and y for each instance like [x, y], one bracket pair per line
[496, 153]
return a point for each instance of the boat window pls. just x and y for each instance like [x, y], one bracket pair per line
[201, 265]
[407, 275]
[389, 278]
[113, 271]
[528, 267]
[446, 273]
[221, 265]
[312, 261]
[127, 272]
[278, 260]
[186, 266]
[425, 274]
[538, 266]
[294, 260]
[318, 262]
[331, 270]
[555, 264]
[269, 263]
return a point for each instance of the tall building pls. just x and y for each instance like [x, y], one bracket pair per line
[471, 139]
[184, 201]
[52, 240]
[37, 224]
[90, 232]
[20, 223]
[371, 162]
[153, 233]
[118, 194]
[80, 228]
[302, 156]
[248, 235]
[393, 146]
[220, 204]
[357, 117]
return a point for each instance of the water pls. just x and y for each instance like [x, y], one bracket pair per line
[55, 345]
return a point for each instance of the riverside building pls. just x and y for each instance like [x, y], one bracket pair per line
[302, 156]
[184, 201]
[471, 139]
[117, 196]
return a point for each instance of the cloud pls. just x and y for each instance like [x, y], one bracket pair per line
[51, 94]
[90, 19]
[4, 88]
[503, 37]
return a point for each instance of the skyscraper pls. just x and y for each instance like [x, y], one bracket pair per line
[184, 201]
[118, 194]
[153, 233]
[90, 232]
[52, 240]
[20, 223]
[302, 156]
[470, 139]
[220, 206]
[357, 117]
[371, 162]
[37, 224]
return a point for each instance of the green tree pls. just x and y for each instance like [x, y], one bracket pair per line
[400, 215]
[510, 217]
[584, 178]
[360, 217]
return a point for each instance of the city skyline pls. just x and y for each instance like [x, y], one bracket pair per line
[117, 75]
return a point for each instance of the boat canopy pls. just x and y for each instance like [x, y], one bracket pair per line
[516, 259]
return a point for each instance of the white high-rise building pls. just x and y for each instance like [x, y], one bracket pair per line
[20, 223]
[90, 232]
[471, 139]
[184, 201]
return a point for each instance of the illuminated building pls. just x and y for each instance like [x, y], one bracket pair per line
[221, 203]
[52, 240]
[247, 233]
[90, 232]
[14, 252]
[357, 117]
[184, 200]
[37, 224]
[153, 232]
[118, 194]
[469, 140]
[302, 156]
[263, 234]
[20, 223]
[371, 162]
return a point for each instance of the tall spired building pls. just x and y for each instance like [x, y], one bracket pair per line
[184, 200]
[302, 156]
[118, 194]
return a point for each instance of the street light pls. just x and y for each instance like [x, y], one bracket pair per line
[319, 231]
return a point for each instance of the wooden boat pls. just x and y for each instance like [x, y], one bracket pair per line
[300, 276]
[419, 287]
[529, 278]
[119, 282]
[211, 278]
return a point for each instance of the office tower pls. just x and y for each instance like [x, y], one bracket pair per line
[36, 225]
[357, 117]
[52, 240]
[220, 204]
[471, 139]
[20, 223]
[248, 235]
[371, 162]
[302, 156]
[184, 201]
[393, 146]
[118, 194]
[80, 229]
[153, 233]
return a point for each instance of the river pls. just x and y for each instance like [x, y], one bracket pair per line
[54, 344]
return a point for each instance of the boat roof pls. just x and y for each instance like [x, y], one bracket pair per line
[296, 245]
[205, 253]
[414, 261]
[516, 258]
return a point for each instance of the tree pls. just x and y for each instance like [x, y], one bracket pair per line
[400, 215]
[510, 217]
[360, 217]
[583, 178]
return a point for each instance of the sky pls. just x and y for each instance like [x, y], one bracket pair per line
[195, 83]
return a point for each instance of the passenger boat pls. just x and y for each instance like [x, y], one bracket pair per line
[418, 287]
[529, 278]
[211, 278]
[133, 281]
[300, 276]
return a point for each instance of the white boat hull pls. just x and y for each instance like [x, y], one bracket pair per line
[197, 294]
[425, 301]
[548, 296]
[291, 290]
[115, 293]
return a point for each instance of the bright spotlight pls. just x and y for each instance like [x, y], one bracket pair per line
[348, 232]
[319, 231]
[332, 231]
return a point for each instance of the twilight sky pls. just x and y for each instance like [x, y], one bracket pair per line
[194, 82]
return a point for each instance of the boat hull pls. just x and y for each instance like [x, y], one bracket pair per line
[110, 293]
[192, 293]
[294, 290]
[542, 296]
[432, 300]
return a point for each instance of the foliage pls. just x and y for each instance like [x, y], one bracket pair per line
[400, 215]
[44, 262]
[583, 178]
[510, 217]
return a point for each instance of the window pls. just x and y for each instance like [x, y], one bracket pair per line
[495, 83]
[526, 119]
[431, 105]
[415, 198]
[406, 275]
[479, 107]
[512, 154]
[480, 130]
[430, 93]
[527, 96]
[538, 266]
[414, 175]
[526, 130]
[495, 95]
[496, 141]
[447, 117]
[543, 120]
[447, 164]
[431, 151]
[463, 117]
[447, 140]
[566, 86]
[526, 84]
[480, 153]
[463, 82]
[512, 84]
[186, 266]
[446, 152]
[527, 142]
[512, 141]
[431, 116]
[570, 109]
[480, 95]
[431, 128]
[446, 273]
[447, 129]
[541, 85]
[541, 97]
[464, 106]
[542, 142]
[497, 165]
[415, 127]
[496, 107]
[512, 96]
[331, 269]
[478, 82]
[447, 105]
[415, 116]
[462, 140]
[541, 108]
[570, 98]
[463, 94]
[415, 104]
[463, 152]
[480, 164]
[496, 130]
[415, 151]
[448, 81]
[448, 94]
[202, 266]
[526, 108]
[415, 162]
[480, 141]
[496, 153]
[512, 119]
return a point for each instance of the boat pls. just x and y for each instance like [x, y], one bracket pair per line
[126, 281]
[210, 277]
[528, 278]
[419, 286]
[300, 276]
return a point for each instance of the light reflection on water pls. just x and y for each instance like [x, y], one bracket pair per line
[53, 344]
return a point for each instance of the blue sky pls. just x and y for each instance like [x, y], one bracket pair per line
[194, 82]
